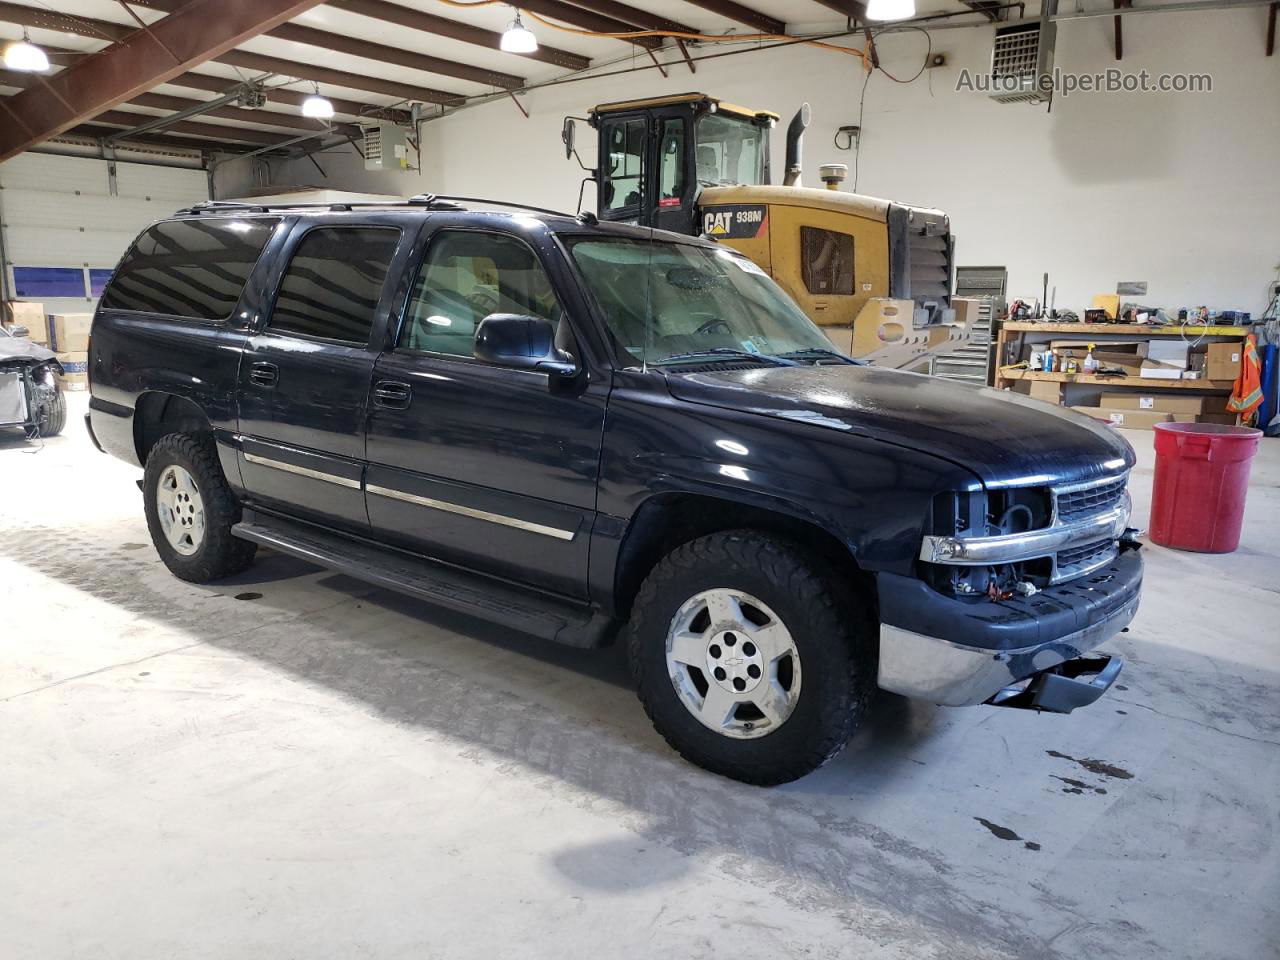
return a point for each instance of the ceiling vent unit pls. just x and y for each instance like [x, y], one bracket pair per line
[1022, 60]
[385, 147]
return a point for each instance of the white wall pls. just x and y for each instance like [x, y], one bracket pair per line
[1180, 190]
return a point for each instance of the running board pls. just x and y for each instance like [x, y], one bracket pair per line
[443, 586]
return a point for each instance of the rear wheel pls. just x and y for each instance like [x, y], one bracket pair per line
[191, 509]
[748, 657]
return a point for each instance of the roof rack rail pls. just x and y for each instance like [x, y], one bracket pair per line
[431, 197]
[428, 200]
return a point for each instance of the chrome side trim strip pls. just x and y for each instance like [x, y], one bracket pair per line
[301, 471]
[505, 521]
[1014, 547]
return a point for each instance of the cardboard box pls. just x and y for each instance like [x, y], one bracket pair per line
[1134, 419]
[1164, 402]
[25, 312]
[966, 309]
[74, 381]
[69, 331]
[1156, 370]
[1228, 418]
[1046, 390]
[1109, 302]
[76, 362]
[1170, 351]
[30, 315]
[1222, 360]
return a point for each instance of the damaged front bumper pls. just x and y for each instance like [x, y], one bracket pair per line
[1020, 652]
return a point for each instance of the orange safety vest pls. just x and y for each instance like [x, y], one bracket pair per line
[1246, 396]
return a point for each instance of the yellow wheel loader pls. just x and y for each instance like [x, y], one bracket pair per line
[874, 274]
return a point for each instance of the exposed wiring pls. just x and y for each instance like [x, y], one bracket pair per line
[927, 56]
[857, 153]
[862, 98]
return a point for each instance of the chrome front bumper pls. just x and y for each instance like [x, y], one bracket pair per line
[953, 674]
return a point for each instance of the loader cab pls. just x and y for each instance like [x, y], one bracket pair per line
[655, 156]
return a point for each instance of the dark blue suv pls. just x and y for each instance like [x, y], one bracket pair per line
[578, 429]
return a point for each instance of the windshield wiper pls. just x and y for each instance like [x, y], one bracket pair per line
[729, 352]
[823, 352]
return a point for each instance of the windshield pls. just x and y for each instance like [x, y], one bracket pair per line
[729, 151]
[665, 301]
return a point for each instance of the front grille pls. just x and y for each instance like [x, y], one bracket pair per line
[1086, 501]
[1078, 561]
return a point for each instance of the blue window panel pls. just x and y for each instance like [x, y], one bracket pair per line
[48, 281]
[98, 280]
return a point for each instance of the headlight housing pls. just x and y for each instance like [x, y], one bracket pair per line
[990, 542]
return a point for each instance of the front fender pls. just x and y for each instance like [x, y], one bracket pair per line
[871, 495]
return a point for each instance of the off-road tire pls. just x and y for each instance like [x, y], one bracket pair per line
[220, 554]
[830, 623]
[51, 412]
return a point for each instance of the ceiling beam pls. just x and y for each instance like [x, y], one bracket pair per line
[211, 84]
[991, 8]
[354, 46]
[214, 131]
[339, 78]
[104, 29]
[270, 118]
[200, 31]
[93, 132]
[634, 16]
[586, 20]
[850, 8]
[454, 30]
[294, 98]
[736, 11]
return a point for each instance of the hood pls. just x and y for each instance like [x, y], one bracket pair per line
[1005, 438]
[15, 350]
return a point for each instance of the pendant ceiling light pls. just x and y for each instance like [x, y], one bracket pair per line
[316, 106]
[518, 38]
[24, 56]
[891, 9]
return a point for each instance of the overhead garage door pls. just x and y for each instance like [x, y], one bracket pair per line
[64, 230]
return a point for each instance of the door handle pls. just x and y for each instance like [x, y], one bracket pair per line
[392, 394]
[264, 374]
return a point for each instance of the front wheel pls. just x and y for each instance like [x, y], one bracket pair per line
[749, 658]
[51, 412]
[191, 509]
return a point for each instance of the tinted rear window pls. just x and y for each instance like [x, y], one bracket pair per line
[334, 281]
[191, 268]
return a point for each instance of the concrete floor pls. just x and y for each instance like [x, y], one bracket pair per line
[297, 765]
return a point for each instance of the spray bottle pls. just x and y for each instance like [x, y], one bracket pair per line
[1090, 364]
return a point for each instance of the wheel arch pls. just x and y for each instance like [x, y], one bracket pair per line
[667, 520]
[157, 413]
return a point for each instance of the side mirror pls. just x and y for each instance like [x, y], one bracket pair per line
[17, 330]
[568, 135]
[526, 343]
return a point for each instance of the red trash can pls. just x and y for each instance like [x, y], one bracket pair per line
[1202, 475]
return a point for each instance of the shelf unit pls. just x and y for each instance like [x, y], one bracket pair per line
[1015, 339]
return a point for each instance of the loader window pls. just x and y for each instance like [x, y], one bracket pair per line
[671, 180]
[729, 151]
[625, 140]
[826, 260]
